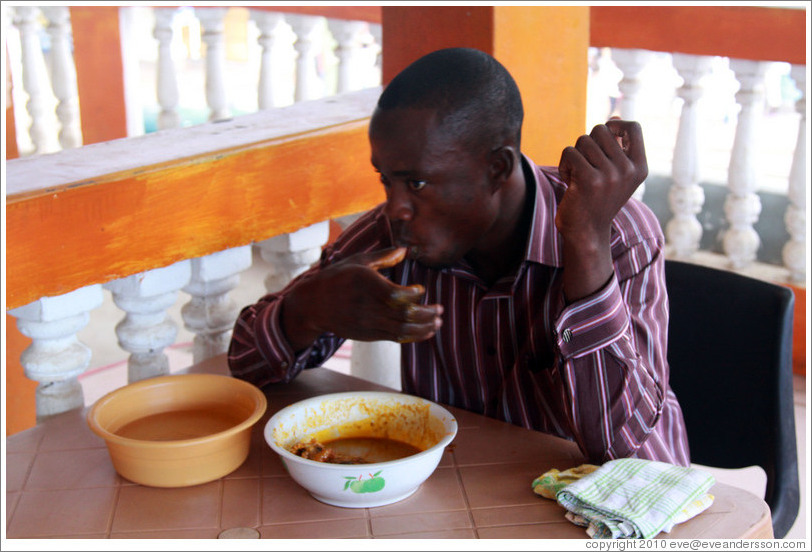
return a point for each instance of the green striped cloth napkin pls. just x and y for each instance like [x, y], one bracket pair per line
[634, 498]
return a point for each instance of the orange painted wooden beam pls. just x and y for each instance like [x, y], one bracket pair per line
[551, 74]
[99, 72]
[120, 224]
[769, 34]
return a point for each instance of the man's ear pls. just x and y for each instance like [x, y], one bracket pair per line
[502, 161]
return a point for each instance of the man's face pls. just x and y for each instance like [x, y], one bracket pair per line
[439, 200]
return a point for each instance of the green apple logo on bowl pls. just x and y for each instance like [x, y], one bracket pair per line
[361, 485]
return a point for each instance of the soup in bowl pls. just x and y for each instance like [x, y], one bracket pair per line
[361, 449]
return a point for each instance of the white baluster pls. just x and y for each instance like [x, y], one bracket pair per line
[212, 22]
[291, 254]
[271, 27]
[595, 95]
[56, 358]
[742, 205]
[685, 195]
[376, 32]
[35, 82]
[631, 63]
[147, 329]
[350, 38]
[794, 252]
[210, 314]
[167, 80]
[63, 76]
[308, 83]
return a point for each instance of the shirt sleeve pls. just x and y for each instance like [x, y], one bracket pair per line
[259, 351]
[611, 351]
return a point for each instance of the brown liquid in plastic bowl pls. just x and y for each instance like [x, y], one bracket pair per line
[179, 430]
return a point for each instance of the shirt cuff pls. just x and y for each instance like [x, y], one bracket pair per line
[275, 348]
[592, 323]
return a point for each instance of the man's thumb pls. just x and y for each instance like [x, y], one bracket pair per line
[386, 258]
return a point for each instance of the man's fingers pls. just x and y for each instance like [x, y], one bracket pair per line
[420, 327]
[572, 161]
[629, 134]
[407, 294]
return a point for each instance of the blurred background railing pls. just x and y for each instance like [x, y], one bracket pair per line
[267, 106]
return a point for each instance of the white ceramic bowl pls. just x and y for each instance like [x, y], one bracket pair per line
[418, 422]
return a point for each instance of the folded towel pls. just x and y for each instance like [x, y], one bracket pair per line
[634, 498]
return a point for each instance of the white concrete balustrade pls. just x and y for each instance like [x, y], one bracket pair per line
[686, 196]
[631, 63]
[289, 49]
[56, 358]
[742, 205]
[210, 313]
[211, 20]
[39, 126]
[291, 254]
[794, 252]
[745, 169]
[167, 80]
[146, 330]
[63, 76]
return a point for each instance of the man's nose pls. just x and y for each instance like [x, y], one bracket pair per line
[398, 204]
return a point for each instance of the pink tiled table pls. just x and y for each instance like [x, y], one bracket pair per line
[61, 484]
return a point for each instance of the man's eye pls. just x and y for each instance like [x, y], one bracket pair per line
[417, 185]
[384, 181]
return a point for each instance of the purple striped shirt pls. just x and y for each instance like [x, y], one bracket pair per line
[593, 371]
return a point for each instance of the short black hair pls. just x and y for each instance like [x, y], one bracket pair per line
[475, 96]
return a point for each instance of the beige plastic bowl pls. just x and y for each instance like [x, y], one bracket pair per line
[180, 430]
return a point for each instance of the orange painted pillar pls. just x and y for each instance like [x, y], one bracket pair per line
[20, 391]
[543, 47]
[799, 331]
[99, 72]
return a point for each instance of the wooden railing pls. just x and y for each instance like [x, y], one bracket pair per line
[146, 217]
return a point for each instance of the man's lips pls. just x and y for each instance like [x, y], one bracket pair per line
[403, 241]
[413, 249]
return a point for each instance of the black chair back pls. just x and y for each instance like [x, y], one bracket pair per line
[730, 356]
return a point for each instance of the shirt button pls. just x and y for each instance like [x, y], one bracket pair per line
[284, 364]
[567, 335]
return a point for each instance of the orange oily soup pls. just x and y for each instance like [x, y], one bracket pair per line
[355, 450]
